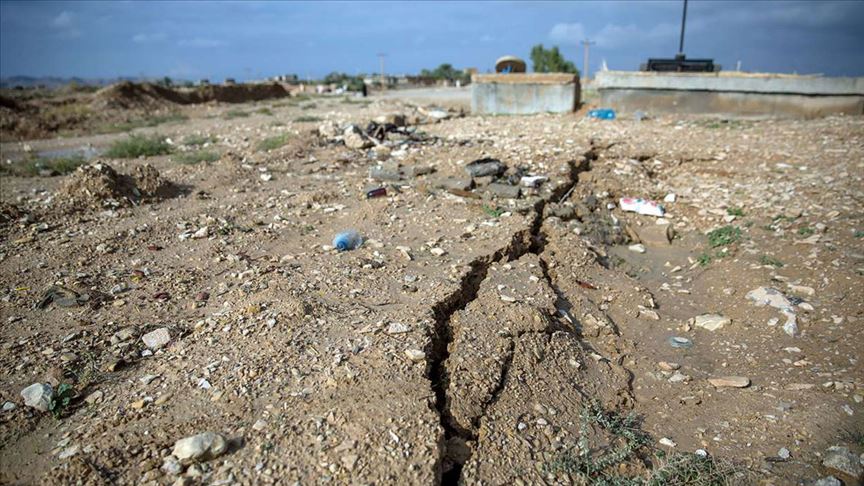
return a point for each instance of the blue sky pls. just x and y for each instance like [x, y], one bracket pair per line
[249, 40]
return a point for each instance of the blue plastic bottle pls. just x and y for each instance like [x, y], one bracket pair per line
[347, 240]
[602, 113]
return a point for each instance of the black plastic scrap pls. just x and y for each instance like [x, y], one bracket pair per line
[62, 297]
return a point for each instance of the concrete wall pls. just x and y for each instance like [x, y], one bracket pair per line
[731, 93]
[524, 93]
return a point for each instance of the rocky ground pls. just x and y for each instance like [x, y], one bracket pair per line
[189, 323]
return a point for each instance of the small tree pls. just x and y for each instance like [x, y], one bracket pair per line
[550, 61]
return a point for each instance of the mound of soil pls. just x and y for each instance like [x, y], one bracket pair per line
[98, 185]
[128, 95]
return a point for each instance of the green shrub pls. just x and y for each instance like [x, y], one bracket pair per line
[137, 146]
[273, 143]
[724, 236]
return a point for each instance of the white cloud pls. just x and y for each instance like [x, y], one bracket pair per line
[201, 42]
[63, 20]
[613, 35]
[567, 33]
[145, 38]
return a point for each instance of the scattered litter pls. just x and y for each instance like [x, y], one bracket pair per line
[602, 114]
[680, 342]
[641, 206]
[533, 181]
[377, 192]
[767, 296]
[347, 240]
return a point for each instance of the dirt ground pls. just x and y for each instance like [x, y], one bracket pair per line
[473, 337]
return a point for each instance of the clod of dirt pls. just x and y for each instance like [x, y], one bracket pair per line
[148, 180]
[98, 185]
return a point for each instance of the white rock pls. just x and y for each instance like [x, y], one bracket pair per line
[843, 460]
[711, 322]
[667, 442]
[202, 232]
[638, 248]
[201, 447]
[9, 406]
[438, 251]
[266, 177]
[670, 198]
[783, 453]
[38, 396]
[415, 355]
[397, 328]
[156, 339]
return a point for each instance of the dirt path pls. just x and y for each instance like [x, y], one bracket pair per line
[487, 341]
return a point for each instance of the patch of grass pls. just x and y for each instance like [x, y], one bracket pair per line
[691, 469]
[351, 101]
[724, 236]
[273, 143]
[768, 260]
[264, 111]
[806, 231]
[137, 146]
[307, 119]
[32, 167]
[198, 140]
[310, 106]
[859, 234]
[196, 157]
[704, 259]
[231, 114]
[300, 98]
[735, 212]
[594, 465]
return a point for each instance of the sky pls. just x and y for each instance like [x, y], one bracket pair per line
[252, 40]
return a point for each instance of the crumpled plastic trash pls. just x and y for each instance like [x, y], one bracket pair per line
[641, 206]
[768, 296]
[347, 240]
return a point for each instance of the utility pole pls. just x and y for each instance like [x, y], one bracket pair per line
[381, 57]
[683, 21]
[586, 44]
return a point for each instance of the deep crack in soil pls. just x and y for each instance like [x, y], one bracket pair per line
[533, 242]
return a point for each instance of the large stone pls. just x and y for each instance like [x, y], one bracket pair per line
[355, 139]
[655, 235]
[730, 382]
[38, 396]
[504, 190]
[828, 481]
[711, 322]
[157, 339]
[843, 460]
[201, 447]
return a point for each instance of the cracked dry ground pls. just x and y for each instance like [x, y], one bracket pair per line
[309, 359]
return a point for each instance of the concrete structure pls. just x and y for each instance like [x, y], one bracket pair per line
[730, 93]
[524, 93]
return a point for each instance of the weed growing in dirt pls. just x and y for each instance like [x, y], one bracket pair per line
[735, 212]
[34, 167]
[724, 236]
[62, 398]
[806, 231]
[307, 119]
[310, 106]
[198, 140]
[231, 114]
[137, 146]
[768, 260]
[859, 234]
[273, 143]
[196, 157]
[264, 111]
[594, 465]
[691, 469]
[704, 259]
[494, 212]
